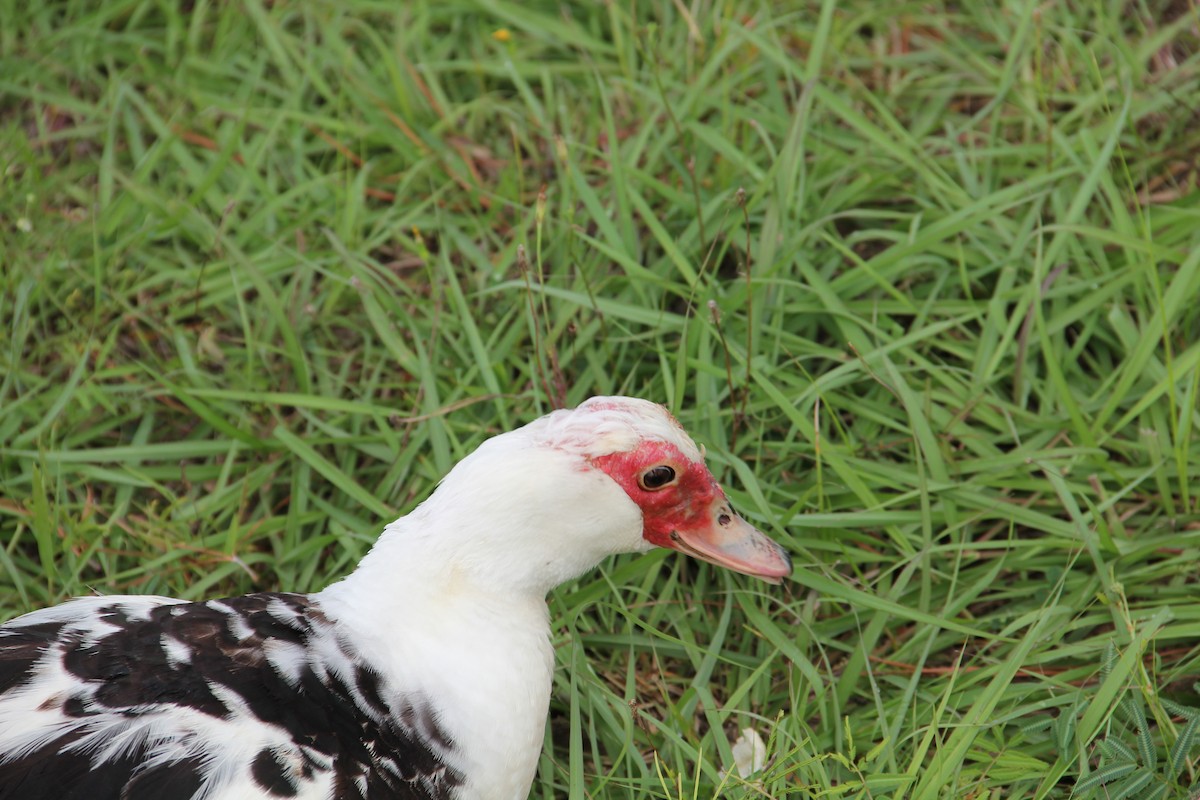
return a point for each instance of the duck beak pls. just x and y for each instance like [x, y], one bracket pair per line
[721, 537]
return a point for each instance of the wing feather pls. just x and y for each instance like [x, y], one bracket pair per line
[136, 697]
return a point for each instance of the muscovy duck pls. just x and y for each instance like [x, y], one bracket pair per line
[423, 675]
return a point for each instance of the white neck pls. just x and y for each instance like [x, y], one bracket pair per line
[481, 657]
[511, 519]
[450, 603]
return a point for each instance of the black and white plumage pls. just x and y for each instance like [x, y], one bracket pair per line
[424, 675]
[156, 698]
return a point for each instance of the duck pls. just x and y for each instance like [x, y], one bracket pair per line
[424, 674]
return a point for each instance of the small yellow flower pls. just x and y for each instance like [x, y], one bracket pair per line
[502, 35]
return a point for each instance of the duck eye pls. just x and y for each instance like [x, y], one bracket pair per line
[656, 478]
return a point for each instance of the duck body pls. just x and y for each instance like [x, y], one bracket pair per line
[246, 697]
[423, 675]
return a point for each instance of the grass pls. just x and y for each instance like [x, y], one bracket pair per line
[922, 277]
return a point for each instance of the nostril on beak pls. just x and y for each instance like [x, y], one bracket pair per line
[724, 519]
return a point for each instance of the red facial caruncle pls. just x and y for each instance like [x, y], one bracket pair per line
[684, 509]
